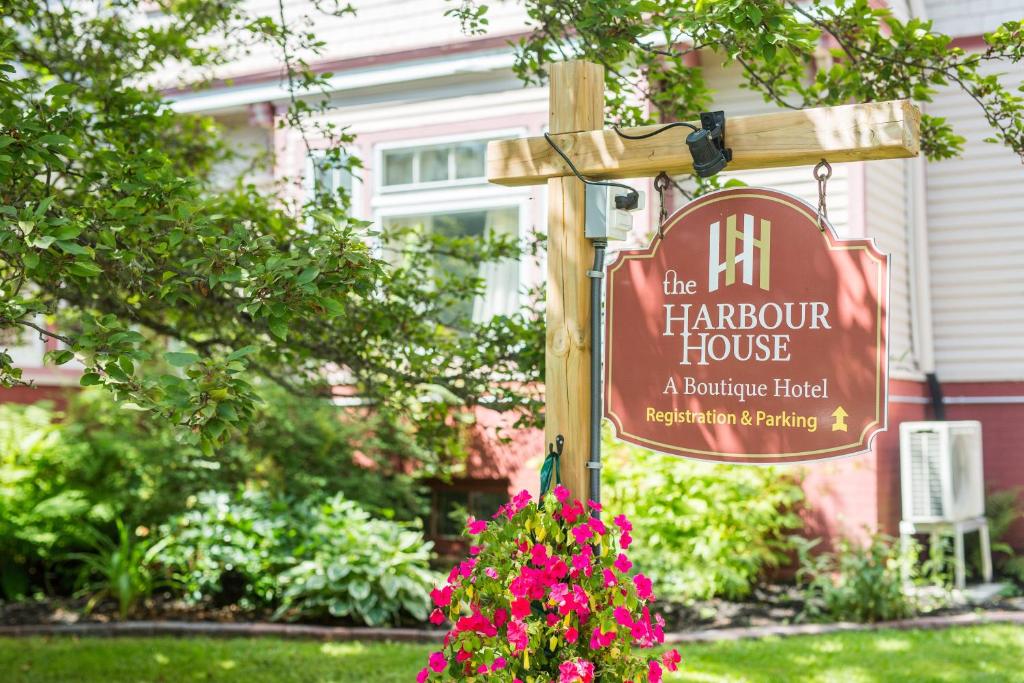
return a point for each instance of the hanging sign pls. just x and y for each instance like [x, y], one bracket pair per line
[748, 334]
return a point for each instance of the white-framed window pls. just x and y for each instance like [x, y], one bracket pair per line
[322, 177]
[450, 161]
[502, 279]
[439, 185]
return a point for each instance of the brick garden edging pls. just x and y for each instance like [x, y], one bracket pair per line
[410, 635]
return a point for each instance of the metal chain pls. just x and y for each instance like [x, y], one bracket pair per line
[661, 184]
[822, 172]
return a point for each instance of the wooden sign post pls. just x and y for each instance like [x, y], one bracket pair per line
[856, 132]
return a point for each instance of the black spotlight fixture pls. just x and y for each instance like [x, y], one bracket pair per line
[707, 145]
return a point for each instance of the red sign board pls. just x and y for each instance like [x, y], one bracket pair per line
[748, 334]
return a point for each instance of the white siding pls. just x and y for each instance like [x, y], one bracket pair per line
[886, 208]
[972, 17]
[378, 27]
[976, 246]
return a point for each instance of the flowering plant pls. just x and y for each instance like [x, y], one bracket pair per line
[547, 596]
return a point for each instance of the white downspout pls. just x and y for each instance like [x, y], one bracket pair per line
[922, 326]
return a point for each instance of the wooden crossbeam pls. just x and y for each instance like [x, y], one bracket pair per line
[853, 132]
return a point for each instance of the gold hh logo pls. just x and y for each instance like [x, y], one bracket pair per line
[763, 244]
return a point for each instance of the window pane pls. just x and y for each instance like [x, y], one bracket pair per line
[469, 160]
[398, 167]
[483, 504]
[328, 176]
[434, 164]
[501, 279]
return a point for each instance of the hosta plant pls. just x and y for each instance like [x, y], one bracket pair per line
[547, 595]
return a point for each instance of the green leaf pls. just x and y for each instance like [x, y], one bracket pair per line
[242, 352]
[279, 329]
[307, 275]
[84, 269]
[71, 248]
[181, 359]
[62, 90]
[90, 379]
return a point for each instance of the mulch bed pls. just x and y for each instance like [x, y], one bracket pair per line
[768, 608]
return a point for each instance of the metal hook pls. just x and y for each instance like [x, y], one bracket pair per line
[822, 172]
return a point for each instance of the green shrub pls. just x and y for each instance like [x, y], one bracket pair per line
[123, 569]
[857, 583]
[312, 558]
[701, 530]
[350, 565]
[48, 490]
[228, 549]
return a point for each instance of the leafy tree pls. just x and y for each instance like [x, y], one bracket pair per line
[782, 49]
[120, 239]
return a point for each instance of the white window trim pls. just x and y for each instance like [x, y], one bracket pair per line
[417, 143]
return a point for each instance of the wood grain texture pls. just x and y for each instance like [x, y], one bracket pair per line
[576, 104]
[854, 132]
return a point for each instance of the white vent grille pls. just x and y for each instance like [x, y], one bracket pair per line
[941, 471]
[925, 475]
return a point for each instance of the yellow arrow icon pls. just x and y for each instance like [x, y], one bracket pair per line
[840, 415]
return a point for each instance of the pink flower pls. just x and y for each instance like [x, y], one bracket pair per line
[578, 671]
[599, 639]
[671, 660]
[623, 523]
[557, 569]
[442, 597]
[653, 671]
[466, 567]
[437, 616]
[643, 587]
[474, 550]
[517, 635]
[622, 563]
[623, 617]
[539, 554]
[500, 617]
[423, 675]
[491, 573]
[581, 561]
[521, 500]
[594, 505]
[609, 577]
[561, 493]
[571, 635]
[500, 663]
[597, 526]
[438, 662]
[582, 533]
[475, 526]
[572, 512]
[482, 669]
[624, 540]
[559, 592]
[520, 608]
[462, 656]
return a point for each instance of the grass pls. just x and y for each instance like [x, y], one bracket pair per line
[980, 653]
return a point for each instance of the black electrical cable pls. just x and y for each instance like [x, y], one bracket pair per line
[603, 183]
[674, 124]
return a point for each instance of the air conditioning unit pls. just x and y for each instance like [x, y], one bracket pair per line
[941, 471]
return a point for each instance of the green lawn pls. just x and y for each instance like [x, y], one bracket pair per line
[983, 653]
